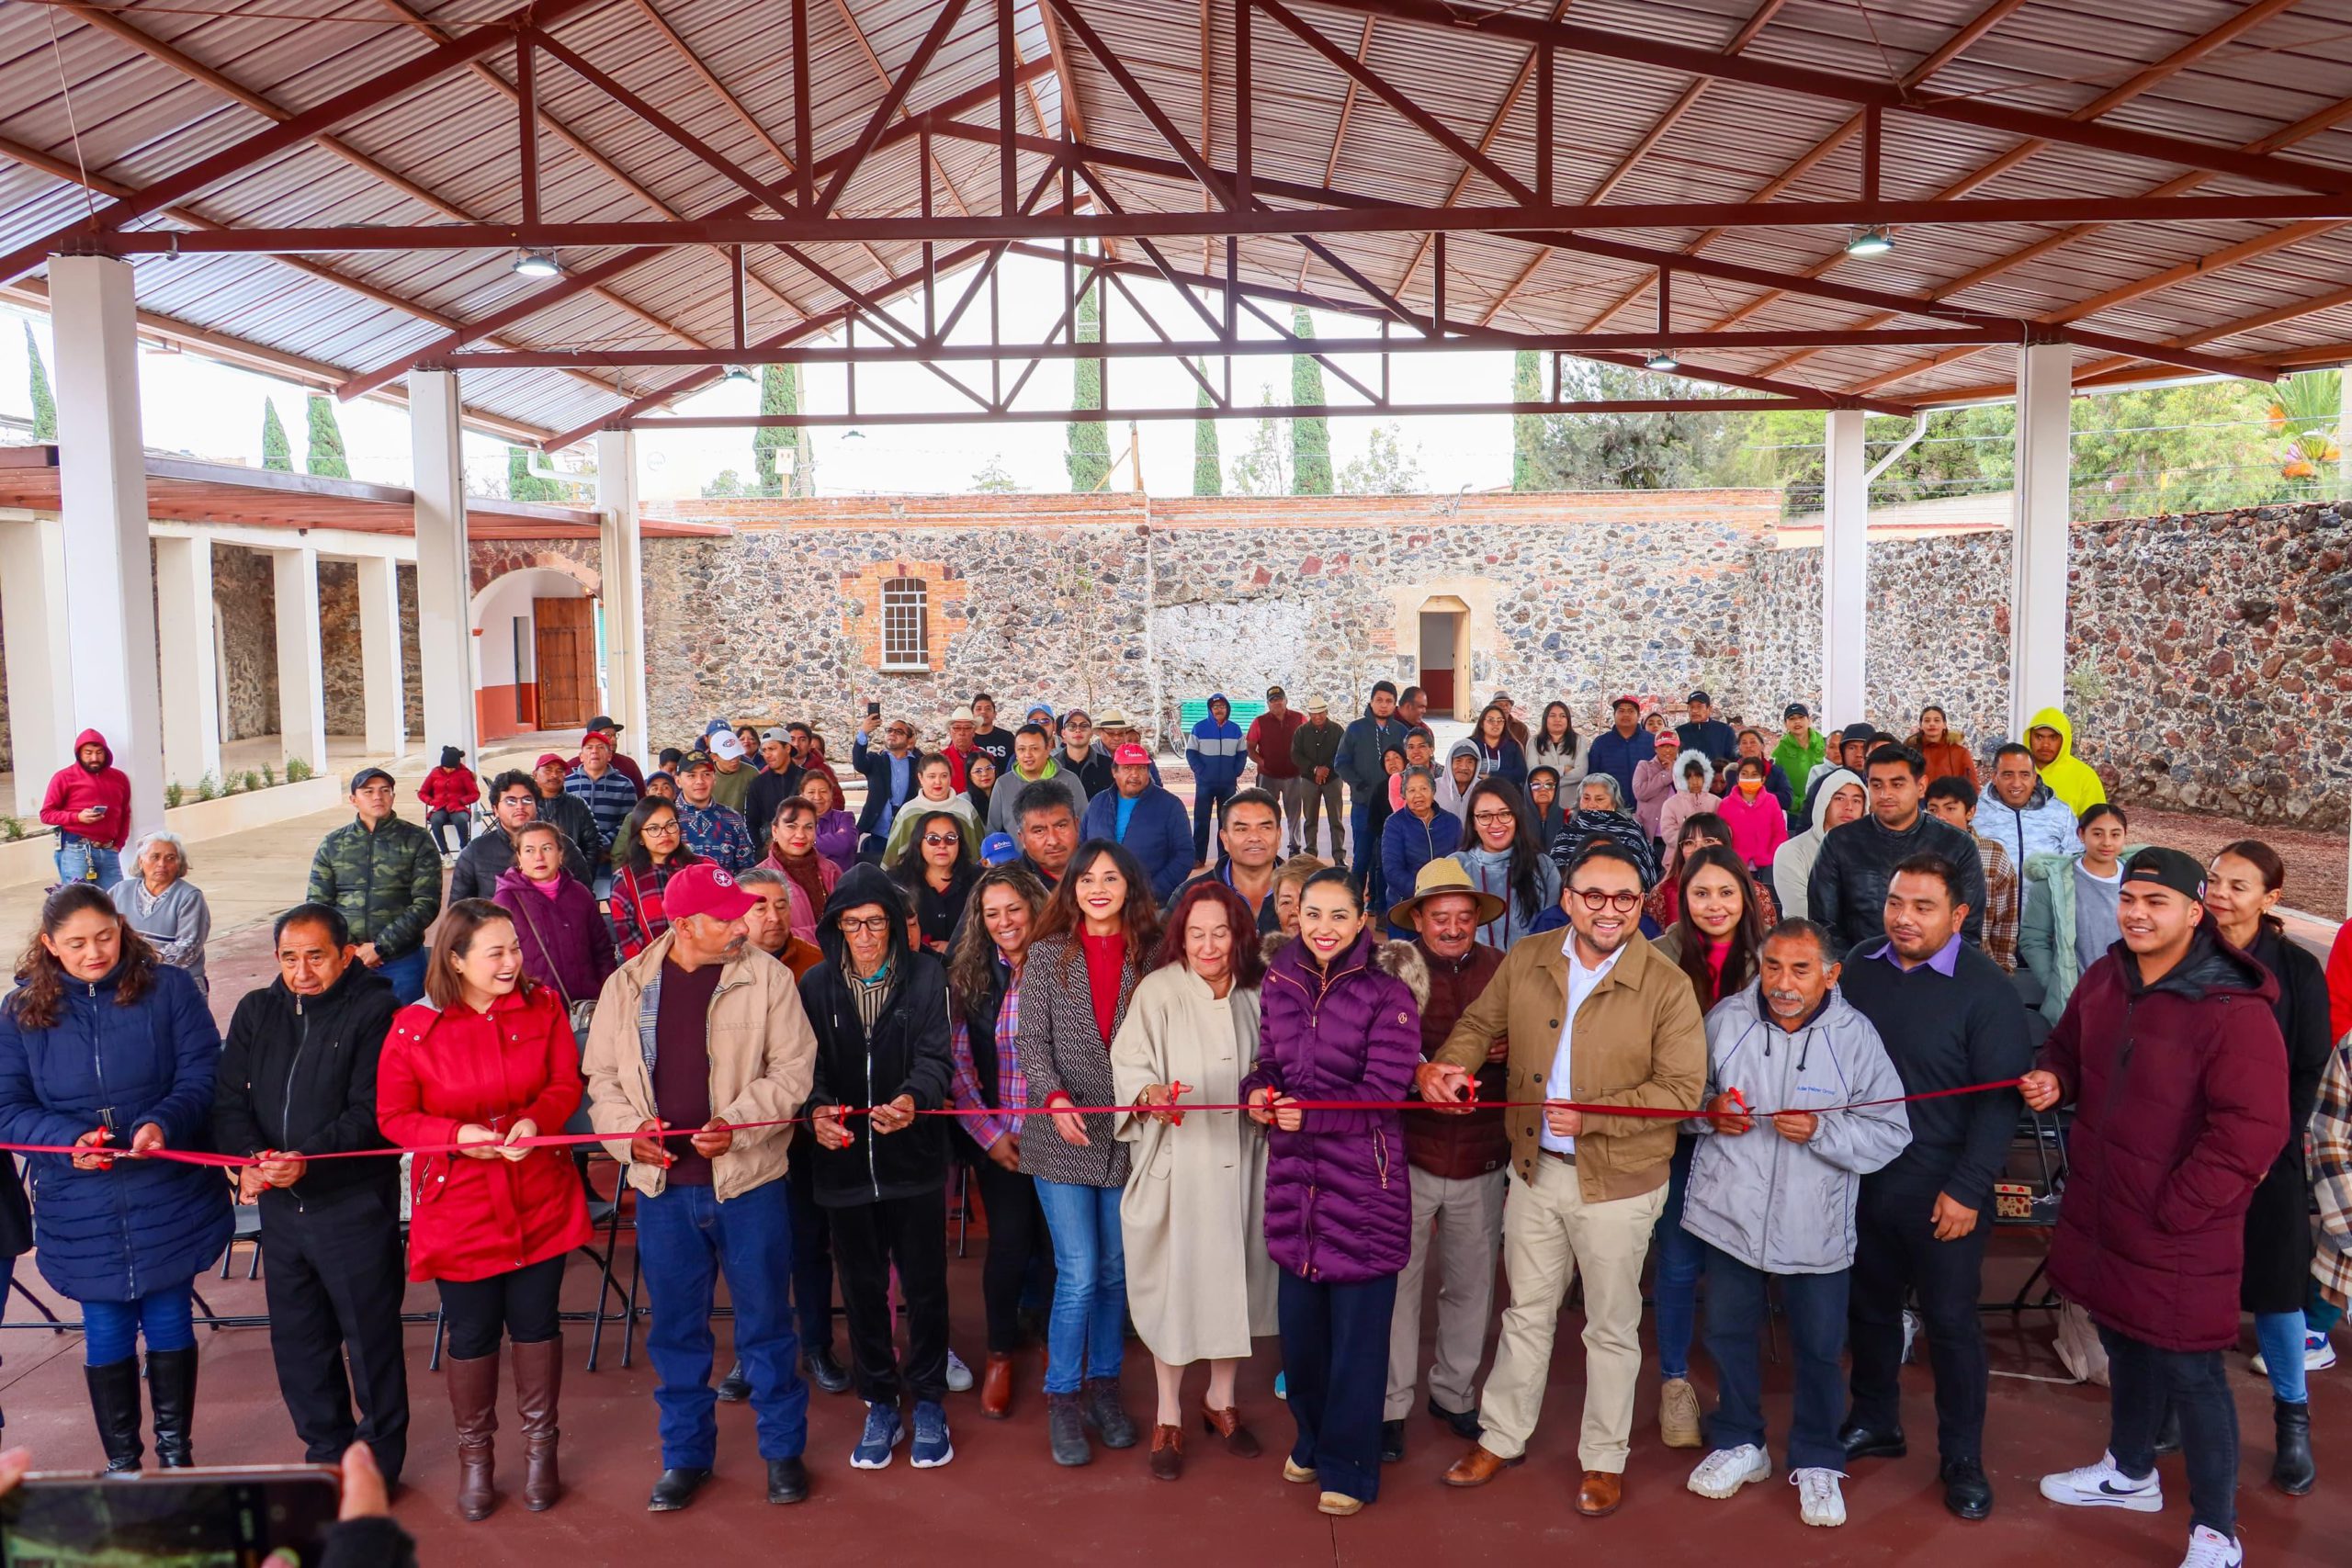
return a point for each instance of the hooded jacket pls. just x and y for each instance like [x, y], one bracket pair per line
[385, 879]
[1004, 795]
[2046, 926]
[449, 787]
[1759, 827]
[1847, 891]
[73, 789]
[2043, 825]
[1781, 1207]
[1797, 762]
[761, 1052]
[299, 1073]
[1490, 873]
[2073, 779]
[1408, 843]
[1655, 781]
[1361, 746]
[115, 1234]
[1452, 796]
[2180, 1091]
[907, 1054]
[1216, 756]
[1338, 1190]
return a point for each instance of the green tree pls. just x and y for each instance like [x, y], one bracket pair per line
[326, 457]
[1526, 429]
[728, 486]
[1208, 473]
[44, 401]
[995, 479]
[1089, 456]
[1264, 468]
[1310, 437]
[780, 393]
[1386, 467]
[276, 452]
[1624, 451]
[523, 485]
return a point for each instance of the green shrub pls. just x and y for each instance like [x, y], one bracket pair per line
[209, 788]
[12, 827]
[298, 770]
[174, 793]
[269, 776]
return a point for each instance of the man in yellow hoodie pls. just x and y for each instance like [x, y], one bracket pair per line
[2052, 740]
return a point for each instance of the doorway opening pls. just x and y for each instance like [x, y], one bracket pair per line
[1444, 676]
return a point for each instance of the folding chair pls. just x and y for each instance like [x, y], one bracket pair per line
[2031, 1203]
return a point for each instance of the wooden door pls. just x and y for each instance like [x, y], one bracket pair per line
[564, 644]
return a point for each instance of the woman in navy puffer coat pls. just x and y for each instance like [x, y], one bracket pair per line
[101, 1044]
[1341, 1020]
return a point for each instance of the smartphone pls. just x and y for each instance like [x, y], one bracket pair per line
[873, 710]
[99, 809]
[230, 1517]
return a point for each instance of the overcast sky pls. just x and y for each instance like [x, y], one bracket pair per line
[213, 410]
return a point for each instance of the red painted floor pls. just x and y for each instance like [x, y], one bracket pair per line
[1002, 1501]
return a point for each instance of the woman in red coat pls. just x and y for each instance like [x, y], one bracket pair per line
[489, 1060]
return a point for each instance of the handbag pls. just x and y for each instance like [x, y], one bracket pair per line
[579, 1013]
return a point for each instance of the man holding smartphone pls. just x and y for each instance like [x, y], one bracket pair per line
[88, 802]
[297, 1072]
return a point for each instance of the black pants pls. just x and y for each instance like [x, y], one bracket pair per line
[1335, 1351]
[869, 1239]
[1016, 1236]
[813, 1258]
[462, 821]
[2141, 1381]
[1896, 1250]
[521, 1303]
[334, 1285]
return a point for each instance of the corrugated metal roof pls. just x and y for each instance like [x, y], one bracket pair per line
[134, 117]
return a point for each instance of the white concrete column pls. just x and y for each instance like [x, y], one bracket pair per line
[445, 650]
[102, 486]
[1845, 569]
[381, 676]
[39, 656]
[2038, 538]
[623, 552]
[301, 662]
[183, 618]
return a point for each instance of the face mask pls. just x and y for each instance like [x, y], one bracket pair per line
[1750, 787]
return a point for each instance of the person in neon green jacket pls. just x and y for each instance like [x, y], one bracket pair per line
[2050, 739]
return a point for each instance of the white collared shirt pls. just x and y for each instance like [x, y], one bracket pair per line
[1581, 982]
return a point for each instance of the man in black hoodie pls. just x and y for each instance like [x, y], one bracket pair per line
[880, 1009]
[299, 1074]
[1949, 1019]
[1847, 891]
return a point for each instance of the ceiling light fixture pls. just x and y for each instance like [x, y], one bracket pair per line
[1663, 360]
[1874, 241]
[537, 263]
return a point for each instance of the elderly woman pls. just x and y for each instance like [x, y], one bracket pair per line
[565, 943]
[1601, 813]
[167, 908]
[836, 829]
[807, 872]
[1420, 833]
[1200, 1281]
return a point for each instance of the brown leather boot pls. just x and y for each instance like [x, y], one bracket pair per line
[996, 1387]
[474, 1402]
[539, 1384]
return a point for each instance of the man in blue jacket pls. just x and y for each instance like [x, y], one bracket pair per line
[1358, 765]
[1216, 756]
[1147, 818]
[1619, 750]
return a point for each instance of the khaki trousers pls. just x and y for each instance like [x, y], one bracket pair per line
[1462, 1220]
[1550, 1234]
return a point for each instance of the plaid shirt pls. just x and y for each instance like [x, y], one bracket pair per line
[2331, 1168]
[1012, 1084]
[2002, 904]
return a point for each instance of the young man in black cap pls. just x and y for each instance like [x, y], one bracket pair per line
[383, 873]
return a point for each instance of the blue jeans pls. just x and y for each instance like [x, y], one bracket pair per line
[688, 1238]
[1085, 1333]
[2280, 1335]
[1681, 1258]
[1815, 1304]
[79, 860]
[111, 1330]
[406, 973]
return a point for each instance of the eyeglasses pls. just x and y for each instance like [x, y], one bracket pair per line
[662, 825]
[872, 925]
[1595, 900]
[930, 839]
[1487, 818]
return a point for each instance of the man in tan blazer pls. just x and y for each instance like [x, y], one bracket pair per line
[1600, 1019]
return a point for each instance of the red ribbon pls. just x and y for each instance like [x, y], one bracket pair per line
[569, 1140]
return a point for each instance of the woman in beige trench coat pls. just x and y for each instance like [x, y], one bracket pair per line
[1200, 1284]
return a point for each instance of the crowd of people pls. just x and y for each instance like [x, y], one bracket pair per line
[1765, 1007]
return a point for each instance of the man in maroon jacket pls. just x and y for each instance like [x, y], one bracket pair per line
[1458, 1164]
[2172, 1060]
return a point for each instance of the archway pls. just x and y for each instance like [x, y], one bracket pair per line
[1443, 649]
[536, 663]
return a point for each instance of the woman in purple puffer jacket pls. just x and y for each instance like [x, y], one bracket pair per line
[566, 944]
[1341, 1020]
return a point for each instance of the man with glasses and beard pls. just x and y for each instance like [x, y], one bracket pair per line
[1599, 1018]
[515, 804]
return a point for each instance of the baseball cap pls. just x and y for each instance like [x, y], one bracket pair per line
[594, 733]
[603, 721]
[704, 889]
[1796, 710]
[697, 758]
[1700, 697]
[548, 757]
[997, 848]
[1625, 703]
[1274, 691]
[367, 776]
[728, 746]
[2170, 868]
[1667, 737]
[778, 736]
[714, 727]
[1131, 756]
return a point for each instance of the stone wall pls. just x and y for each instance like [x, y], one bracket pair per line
[245, 599]
[1099, 600]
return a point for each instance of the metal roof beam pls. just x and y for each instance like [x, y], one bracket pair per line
[867, 418]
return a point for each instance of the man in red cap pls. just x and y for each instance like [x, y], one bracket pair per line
[1145, 818]
[603, 788]
[702, 1030]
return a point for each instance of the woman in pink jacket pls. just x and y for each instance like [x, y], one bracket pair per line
[1758, 826]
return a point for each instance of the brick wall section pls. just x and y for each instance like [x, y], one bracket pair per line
[489, 559]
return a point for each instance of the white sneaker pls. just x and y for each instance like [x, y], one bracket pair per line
[2209, 1549]
[2101, 1485]
[1819, 1500]
[2319, 1354]
[1723, 1473]
[960, 1376]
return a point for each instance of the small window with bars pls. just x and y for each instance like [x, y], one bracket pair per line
[906, 633]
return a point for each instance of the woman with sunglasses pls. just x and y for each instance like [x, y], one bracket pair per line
[935, 865]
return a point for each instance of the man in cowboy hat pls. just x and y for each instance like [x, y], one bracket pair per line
[1458, 1166]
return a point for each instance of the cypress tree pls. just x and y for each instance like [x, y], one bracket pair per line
[276, 452]
[1526, 429]
[326, 457]
[1310, 437]
[1208, 473]
[44, 401]
[1088, 456]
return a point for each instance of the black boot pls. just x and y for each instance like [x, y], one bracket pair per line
[1100, 1397]
[114, 1400]
[2292, 1471]
[734, 1388]
[171, 1389]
